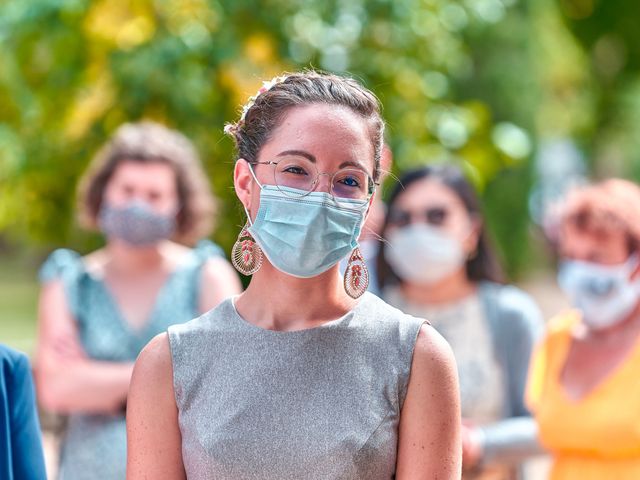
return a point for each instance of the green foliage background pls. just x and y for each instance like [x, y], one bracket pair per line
[477, 82]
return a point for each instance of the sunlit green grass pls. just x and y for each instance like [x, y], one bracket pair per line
[18, 304]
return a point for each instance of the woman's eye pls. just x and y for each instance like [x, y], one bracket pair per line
[350, 182]
[399, 218]
[436, 216]
[128, 190]
[295, 170]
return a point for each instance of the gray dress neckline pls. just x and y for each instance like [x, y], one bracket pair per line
[336, 323]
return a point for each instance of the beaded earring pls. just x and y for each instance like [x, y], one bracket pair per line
[356, 276]
[246, 255]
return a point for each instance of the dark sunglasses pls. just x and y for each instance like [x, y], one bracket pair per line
[435, 216]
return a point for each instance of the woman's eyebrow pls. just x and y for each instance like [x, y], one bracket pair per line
[311, 158]
[299, 153]
[352, 163]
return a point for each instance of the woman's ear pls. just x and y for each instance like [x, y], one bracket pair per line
[473, 239]
[243, 182]
[635, 274]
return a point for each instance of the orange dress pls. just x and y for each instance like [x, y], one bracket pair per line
[598, 436]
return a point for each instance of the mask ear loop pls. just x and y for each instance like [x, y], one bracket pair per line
[254, 175]
[248, 216]
[259, 185]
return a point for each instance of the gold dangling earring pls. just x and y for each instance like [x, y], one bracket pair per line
[356, 276]
[246, 254]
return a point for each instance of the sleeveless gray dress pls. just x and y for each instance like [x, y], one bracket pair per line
[321, 403]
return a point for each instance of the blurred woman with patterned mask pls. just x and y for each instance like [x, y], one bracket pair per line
[437, 264]
[147, 194]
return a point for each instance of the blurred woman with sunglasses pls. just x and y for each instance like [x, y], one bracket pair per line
[437, 264]
[583, 387]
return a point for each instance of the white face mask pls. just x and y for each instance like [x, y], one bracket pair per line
[423, 254]
[605, 294]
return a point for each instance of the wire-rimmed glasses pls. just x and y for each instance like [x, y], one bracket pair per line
[298, 176]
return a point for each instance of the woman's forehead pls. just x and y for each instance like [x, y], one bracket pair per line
[144, 173]
[575, 237]
[329, 133]
[429, 192]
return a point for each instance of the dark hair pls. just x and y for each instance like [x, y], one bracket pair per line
[481, 266]
[264, 112]
[148, 142]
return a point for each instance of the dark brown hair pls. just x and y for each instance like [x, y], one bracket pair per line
[148, 142]
[483, 266]
[268, 109]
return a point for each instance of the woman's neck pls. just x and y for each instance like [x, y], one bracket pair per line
[277, 301]
[122, 258]
[627, 328]
[448, 290]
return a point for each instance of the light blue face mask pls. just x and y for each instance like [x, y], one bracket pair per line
[305, 236]
[605, 294]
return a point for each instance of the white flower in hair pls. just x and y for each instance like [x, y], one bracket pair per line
[266, 86]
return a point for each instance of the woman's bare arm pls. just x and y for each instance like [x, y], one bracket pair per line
[154, 443]
[66, 379]
[429, 444]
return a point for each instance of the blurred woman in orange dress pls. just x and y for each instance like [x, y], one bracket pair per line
[583, 386]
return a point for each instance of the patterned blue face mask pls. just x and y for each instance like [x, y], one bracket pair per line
[305, 234]
[136, 223]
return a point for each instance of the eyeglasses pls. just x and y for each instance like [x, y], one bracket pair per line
[300, 177]
[435, 216]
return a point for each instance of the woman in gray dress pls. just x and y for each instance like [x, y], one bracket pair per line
[305, 375]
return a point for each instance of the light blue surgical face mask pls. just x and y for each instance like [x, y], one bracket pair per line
[605, 294]
[305, 235]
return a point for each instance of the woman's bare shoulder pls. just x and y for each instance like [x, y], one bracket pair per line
[153, 369]
[156, 355]
[433, 358]
[95, 262]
